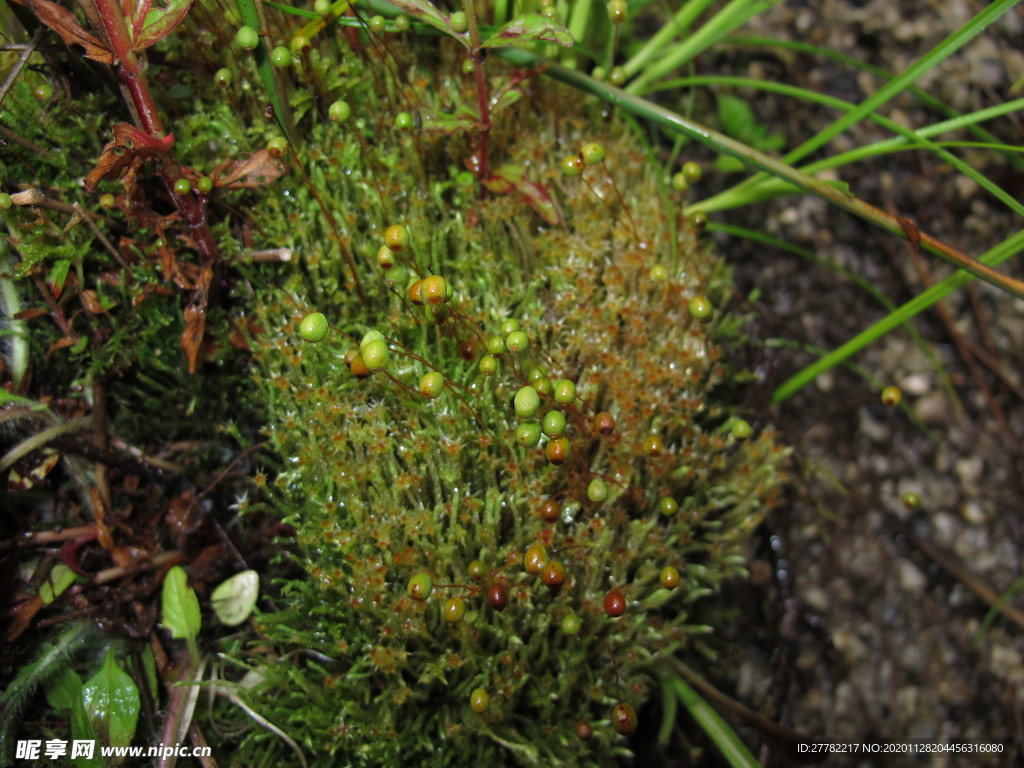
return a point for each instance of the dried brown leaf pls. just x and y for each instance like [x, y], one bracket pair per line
[129, 147]
[192, 336]
[63, 22]
[254, 172]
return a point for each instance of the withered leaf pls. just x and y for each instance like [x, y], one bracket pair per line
[63, 22]
[130, 146]
[509, 179]
[91, 302]
[252, 173]
[192, 336]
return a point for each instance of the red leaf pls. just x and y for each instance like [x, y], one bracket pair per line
[160, 22]
[510, 179]
[130, 145]
[63, 22]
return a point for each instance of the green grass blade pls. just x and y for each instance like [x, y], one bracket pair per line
[828, 101]
[923, 96]
[1009, 247]
[681, 22]
[733, 750]
[275, 92]
[899, 83]
[676, 123]
[859, 280]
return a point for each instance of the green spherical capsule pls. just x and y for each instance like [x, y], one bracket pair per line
[543, 387]
[468, 66]
[496, 346]
[454, 610]
[339, 111]
[488, 365]
[528, 434]
[322, 6]
[892, 396]
[313, 327]
[617, 11]
[222, 77]
[572, 165]
[371, 335]
[692, 172]
[564, 391]
[509, 325]
[554, 424]
[247, 38]
[526, 402]
[437, 313]
[911, 500]
[572, 624]
[6, 201]
[592, 153]
[375, 355]
[476, 570]
[43, 92]
[658, 273]
[281, 57]
[459, 22]
[107, 201]
[402, 23]
[385, 257]
[403, 121]
[479, 700]
[205, 184]
[420, 586]
[668, 506]
[535, 375]
[377, 24]
[679, 182]
[431, 384]
[517, 341]
[617, 76]
[701, 309]
[599, 73]
[277, 146]
[300, 45]
[741, 429]
[698, 220]
[597, 491]
[182, 186]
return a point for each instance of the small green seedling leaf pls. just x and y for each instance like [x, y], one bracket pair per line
[82, 730]
[181, 615]
[60, 578]
[111, 703]
[233, 599]
[530, 26]
[64, 689]
[739, 122]
[160, 22]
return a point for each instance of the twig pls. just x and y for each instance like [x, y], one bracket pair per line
[20, 63]
[39, 439]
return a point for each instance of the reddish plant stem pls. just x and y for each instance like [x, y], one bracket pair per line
[483, 98]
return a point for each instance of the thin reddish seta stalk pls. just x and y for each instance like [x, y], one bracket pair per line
[132, 73]
[483, 97]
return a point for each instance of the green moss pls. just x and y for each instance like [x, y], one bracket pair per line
[382, 484]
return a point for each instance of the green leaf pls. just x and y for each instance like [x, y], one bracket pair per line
[111, 702]
[60, 578]
[426, 11]
[181, 615]
[233, 599]
[58, 274]
[81, 730]
[531, 26]
[160, 22]
[64, 690]
[149, 667]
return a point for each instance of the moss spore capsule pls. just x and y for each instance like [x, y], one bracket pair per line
[431, 384]
[205, 184]
[679, 182]
[437, 313]
[433, 289]
[281, 57]
[658, 273]
[454, 609]
[182, 186]
[420, 586]
[375, 355]
[549, 510]
[300, 45]
[313, 327]
[911, 500]
[584, 730]
[534, 558]
[604, 423]
[564, 391]
[701, 309]
[597, 490]
[468, 66]
[42, 92]
[247, 38]
[497, 596]
[517, 341]
[107, 201]
[572, 165]
[617, 11]
[741, 429]
[415, 292]
[402, 23]
[592, 153]
[528, 434]
[692, 172]
[624, 718]
[496, 346]
[396, 237]
[558, 450]
[476, 570]
[668, 506]
[277, 146]
[385, 257]
[488, 365]
[669, 577]
[371, 335]
[222, 77]
[479, 700]
[404, 121]
[572, 624]
[339, 111]
[615, 603]
[553, 424]
[509, 325]
[459, 22]
[526, 402]
[378, 24]
[552, 573]
[892, 396]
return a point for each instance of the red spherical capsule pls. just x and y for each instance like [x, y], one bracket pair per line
[557, 450]
[358, 367]
[415, 293]
[583, 730]
[624, 718]
[553, 574]
[497, 596]
[549, 511]
[604, 423]
[615, 603]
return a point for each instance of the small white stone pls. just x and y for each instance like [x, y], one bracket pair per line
[911, 577]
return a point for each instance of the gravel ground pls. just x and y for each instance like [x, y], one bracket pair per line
[865, 629]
